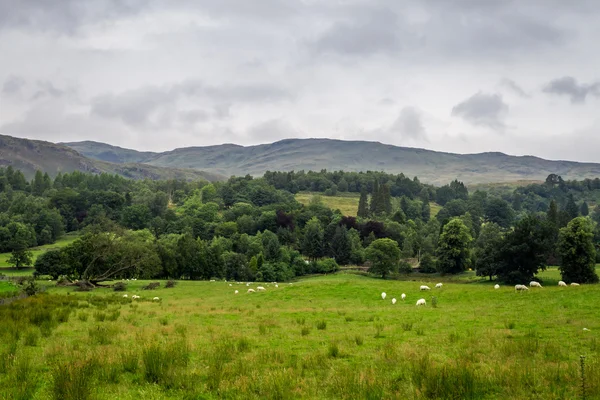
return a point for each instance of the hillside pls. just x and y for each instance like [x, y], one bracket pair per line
[31, 155]
[316, 154]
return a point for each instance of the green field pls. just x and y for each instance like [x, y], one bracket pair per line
[326, 337]
[62, 242]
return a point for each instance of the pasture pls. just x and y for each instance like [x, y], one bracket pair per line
[36, 251]
[326, 337]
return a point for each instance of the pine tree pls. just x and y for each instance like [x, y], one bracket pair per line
[571, 207]
[341, 246]
[552, 213]
[386, 199]
[363, 211]
[585, 210]
[425, 211]
[312, 244]
[374, 198]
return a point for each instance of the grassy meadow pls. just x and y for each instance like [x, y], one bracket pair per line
[62, 242]
[347, 203]
[325, 337]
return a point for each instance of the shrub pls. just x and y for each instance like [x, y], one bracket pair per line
[74, 380]
[333, 351]
[427, 264]
[321, 325]
[151, 286]
[171, 283]
[326, 266]
[404, 267]
[305, 331]
[120, 287]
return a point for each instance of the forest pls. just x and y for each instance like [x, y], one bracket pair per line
[248, 229]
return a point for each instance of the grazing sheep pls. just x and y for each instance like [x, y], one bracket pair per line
[439, 285]
[574, 284]
[403, 296]
[125, 295]
[424, 287]
[230, 285]
[276, 285]
[521, 287]
[383, 295]
[212, 280]
[421, 302]
[535, 284]
[155, 299]
[496, 286]
[394, 301]
[586, 329]
[561, 283]
[135, 296]
[248, 284]
[236, 292]
[260, 288]
[250, 290]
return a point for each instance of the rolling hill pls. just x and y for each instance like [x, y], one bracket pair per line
[31, 155]
[316, 154]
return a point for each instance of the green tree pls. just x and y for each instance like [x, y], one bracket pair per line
[453, 248]
[312, 243]
[552, 213]
[487, 249]
[271, 247]
[20, 257]
[427, 264]
[374, 205]
[52, 263]
[341, 246]
[363, 210]
[384, 255]
[577, 252]
[584, 209]
[571, 207]
[499, 212]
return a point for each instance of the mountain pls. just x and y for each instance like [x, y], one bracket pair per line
[31, 155]
[316, 154]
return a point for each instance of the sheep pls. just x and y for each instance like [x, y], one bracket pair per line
[247, 284]
[212, 280]
[250, 290]
[496, 286]
[236, 292]
[561, 283]
[277, 286]
[230, 285]
[574, 284]
[439, 286]
[403, 296]
[394, 301]
[586, 329]
[135, 296]
[424, 287]
[125, 296]
[156, 299]
[421, 302]
[521, 287]
[383, 295]
[260, 288]
[535, 284]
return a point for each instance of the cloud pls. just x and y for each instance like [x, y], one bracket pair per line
[514, 87]
[568, 86]
[409, 126]
[482, 109]
[13, 84]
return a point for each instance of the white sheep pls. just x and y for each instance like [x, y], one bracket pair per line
[496, 286]
[561, 283]
[236, 292]
[535, 284]
[125, 295]
[403, 296]
[438, 286]
[260, 288]
[247, 284]
[383, 295]
[586, 329]
[521, 287]
[277, 286]
[135, 296]
[250, 290]
[421, 302]
[155, 299]
[393, 301]
[424, 287]
[574, 284]
[212, 280]
[230, 285]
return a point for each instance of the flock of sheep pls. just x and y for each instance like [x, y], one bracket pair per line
[136, 297]
[420, 302]
[519, 288]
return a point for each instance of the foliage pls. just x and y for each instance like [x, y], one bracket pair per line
[577, 252]
[384, 255]
[487, 250]
[453, 250]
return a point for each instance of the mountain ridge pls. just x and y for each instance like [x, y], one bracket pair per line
[333, 154]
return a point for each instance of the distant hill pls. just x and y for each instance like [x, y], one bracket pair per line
[316, 154]
[31, 155]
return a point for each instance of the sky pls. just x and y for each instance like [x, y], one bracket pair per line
[463, 76]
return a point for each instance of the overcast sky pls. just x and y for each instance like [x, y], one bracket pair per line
[466, 76]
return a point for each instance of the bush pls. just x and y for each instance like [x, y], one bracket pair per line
[120, 287]
[427, 264]
[326, 266]
[404, 267]
[171, 283]
[151, 286]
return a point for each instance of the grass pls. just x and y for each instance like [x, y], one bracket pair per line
[324, 337]
[5, 267]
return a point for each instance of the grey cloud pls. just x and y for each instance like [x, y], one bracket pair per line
[373, 32]
[568, 86]
[13, 84]
[272, 130]
[409, 125]
[482, 109]
[514, 87]
[45, 88]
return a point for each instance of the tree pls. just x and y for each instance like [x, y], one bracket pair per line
[524, 250]
[453, 248]
[487, 248]
[577, 252]
[312, 243]
[373, 206]
[20, 257]
[427, 264]
[571, 207]
[52, 263]
[384, 255]
[363, 210]
[584, 209]
[552, 213]
[499, 211]
[341, 246]
[272, 249]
